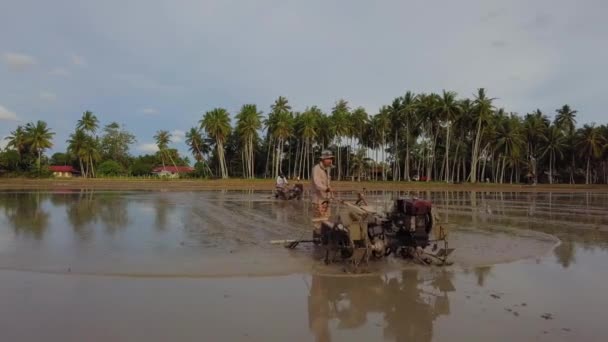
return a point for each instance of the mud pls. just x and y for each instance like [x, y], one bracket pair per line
[157, 266]
[204, 234]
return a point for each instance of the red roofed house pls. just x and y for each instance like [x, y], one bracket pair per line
[171, 171]
[63, 171]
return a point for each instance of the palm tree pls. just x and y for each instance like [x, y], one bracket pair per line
[77, 147]
[217, 125]
[359, 164]
[280, 118]
[536, 125]
[18, 140]
[307, 130]
[249, 121]
[555, 145]
[590, 143]
[426, 110]
[196, 144]
[448, 109]
[39, 137]
[382, 127]
[509, 141]
[163, 139]
[341, 126]
[396, 114]
[89, 123]
[566, 120]
[483, 110]
[408, 107]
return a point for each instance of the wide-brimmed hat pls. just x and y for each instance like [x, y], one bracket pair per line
[327, 154]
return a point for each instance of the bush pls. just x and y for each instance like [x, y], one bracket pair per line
[110, 168]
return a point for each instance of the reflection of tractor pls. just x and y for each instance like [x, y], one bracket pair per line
[362, 233]
[294, 192]
[408, 303]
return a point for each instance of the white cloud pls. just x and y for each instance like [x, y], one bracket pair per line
[150, 111]
[48, 96]
[18, 61]
[6, 114]
[177, 135]
[59, 72]
[79, 60]
[142, 82]
[3, 142]
[148, 148]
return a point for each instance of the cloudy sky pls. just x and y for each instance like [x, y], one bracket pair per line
[160, 64]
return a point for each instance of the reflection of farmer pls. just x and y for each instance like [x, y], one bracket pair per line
[321, 190]
[281, 185]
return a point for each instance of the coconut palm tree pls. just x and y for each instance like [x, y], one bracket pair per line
[555, 143]
[382, 127]
[196, 143]
[89, 123]
[483, 109]
[18, 140]
[426, 113]
[77, 147]
[448, 108]
[279, 118]
[408, 107]
[217, 125]
[249, 121]
[163, 139]
[39, 137]
[590, 143]
[307, 132]
[360, 163]
[566, 120]
[341, 126]
[536, 125]
[509, 140]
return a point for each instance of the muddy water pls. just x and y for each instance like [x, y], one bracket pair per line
[197, 266]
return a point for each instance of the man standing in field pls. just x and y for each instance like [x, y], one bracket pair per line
[321, 191]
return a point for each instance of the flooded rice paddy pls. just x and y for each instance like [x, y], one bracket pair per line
[93, 265]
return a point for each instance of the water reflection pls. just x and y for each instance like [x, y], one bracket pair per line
[25, 213]
[409, 303]
[161, 211]
[225, 221]
[85, 208]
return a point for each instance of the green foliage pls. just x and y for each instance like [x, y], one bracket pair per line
[110, 168]
[116, 142]
[143, 165]
[61, 159]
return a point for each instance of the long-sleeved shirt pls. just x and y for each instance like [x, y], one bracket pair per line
[320, 184]
[281, 182]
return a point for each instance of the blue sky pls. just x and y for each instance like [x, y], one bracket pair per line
[159, 64]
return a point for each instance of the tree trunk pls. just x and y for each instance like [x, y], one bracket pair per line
[572, 167]
[447, 155]
[483, 169]
[475, 154]
[551, 167]
[407, 153]
[81, 168]
[268, 156]
[587, 173]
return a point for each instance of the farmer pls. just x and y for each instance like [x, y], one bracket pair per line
[321, 191]
[281, 185]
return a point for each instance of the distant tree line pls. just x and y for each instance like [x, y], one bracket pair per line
[424, 136]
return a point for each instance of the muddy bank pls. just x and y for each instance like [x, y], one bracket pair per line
[241, 184]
